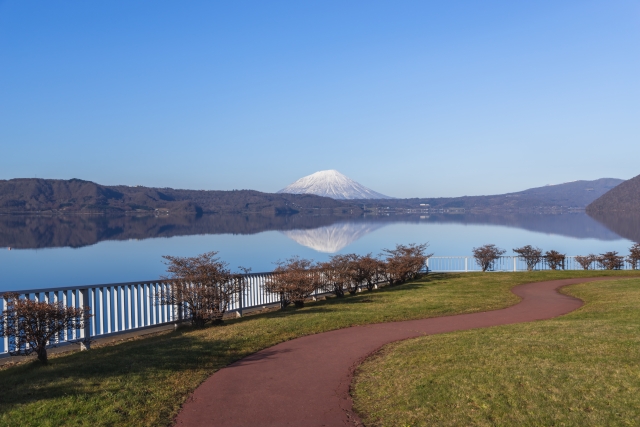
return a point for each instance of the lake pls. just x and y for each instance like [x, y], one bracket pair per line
[55, 251]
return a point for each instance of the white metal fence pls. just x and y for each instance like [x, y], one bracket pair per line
[118, 308]
[451, 264]
[124, 307]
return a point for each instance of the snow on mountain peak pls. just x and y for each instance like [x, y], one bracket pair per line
[331, 183]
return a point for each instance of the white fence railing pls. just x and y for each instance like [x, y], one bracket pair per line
[124, 307]
[118, 308]
[451, 264]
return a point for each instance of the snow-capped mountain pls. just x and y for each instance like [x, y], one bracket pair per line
[332, 183]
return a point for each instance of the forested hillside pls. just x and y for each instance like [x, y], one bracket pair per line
[623, 198]
[75, 195]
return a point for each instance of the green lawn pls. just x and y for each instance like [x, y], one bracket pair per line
[582, 369]
[144, 381]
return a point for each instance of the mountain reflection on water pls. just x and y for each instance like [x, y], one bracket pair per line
[35, 232]
[624, 224]
[331, 238]
[327, 234]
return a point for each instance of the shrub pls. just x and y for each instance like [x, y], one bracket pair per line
[203, 285]
[405, 262]
[586, 261]
[337, 272]
[610, 261]
[355, 274]
[532, 256]
[32, 325]
[369, 270]
[294, 279]
[554, 259]
[486, 255]
[634, 256]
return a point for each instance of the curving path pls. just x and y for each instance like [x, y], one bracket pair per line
[305, 381]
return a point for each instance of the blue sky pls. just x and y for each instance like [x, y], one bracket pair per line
[424, 98]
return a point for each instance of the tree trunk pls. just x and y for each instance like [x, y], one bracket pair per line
[283, 301]
[41, 350]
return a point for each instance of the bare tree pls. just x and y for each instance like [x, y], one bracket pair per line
[338, 273]
[357, 275]
[294, 279]
[203, 285]
[370, 270]
[32, 325]
[405, 261]
[532, 256]
[554, 259]
[611, 261]
[634, 256]
[486, 255]
[586, 261]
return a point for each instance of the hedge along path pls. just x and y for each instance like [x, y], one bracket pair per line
[306, 381]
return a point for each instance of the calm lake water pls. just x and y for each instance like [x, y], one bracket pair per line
[86, 250]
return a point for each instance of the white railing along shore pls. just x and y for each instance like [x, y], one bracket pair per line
[118, 308]
[125, 307]
[456, 264]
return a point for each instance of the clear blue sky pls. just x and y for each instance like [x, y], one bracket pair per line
[410, 98]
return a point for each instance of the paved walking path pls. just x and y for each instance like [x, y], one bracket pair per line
[305, 381]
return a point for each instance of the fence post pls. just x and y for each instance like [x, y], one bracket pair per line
[466, 264]
[4, 306]
[85, 344]
[180, 307]
[240, 297]
[515, 260]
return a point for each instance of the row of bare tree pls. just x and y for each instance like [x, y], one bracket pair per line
[296, 279]
[487, 255]
[205, 287]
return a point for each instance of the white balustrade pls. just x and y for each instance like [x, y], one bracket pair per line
[123, 307]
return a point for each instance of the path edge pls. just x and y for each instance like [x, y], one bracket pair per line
[354, 417]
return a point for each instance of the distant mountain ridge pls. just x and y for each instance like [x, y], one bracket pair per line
[623, 198]
[576, 195]
[333, 184]
[29, 195]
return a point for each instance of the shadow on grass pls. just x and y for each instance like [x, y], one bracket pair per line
[79, 373]
[326, 305]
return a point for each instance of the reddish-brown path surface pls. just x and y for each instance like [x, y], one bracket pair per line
[305, 381]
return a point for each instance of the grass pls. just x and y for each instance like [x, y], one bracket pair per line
[582, 369]
[144, 381]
